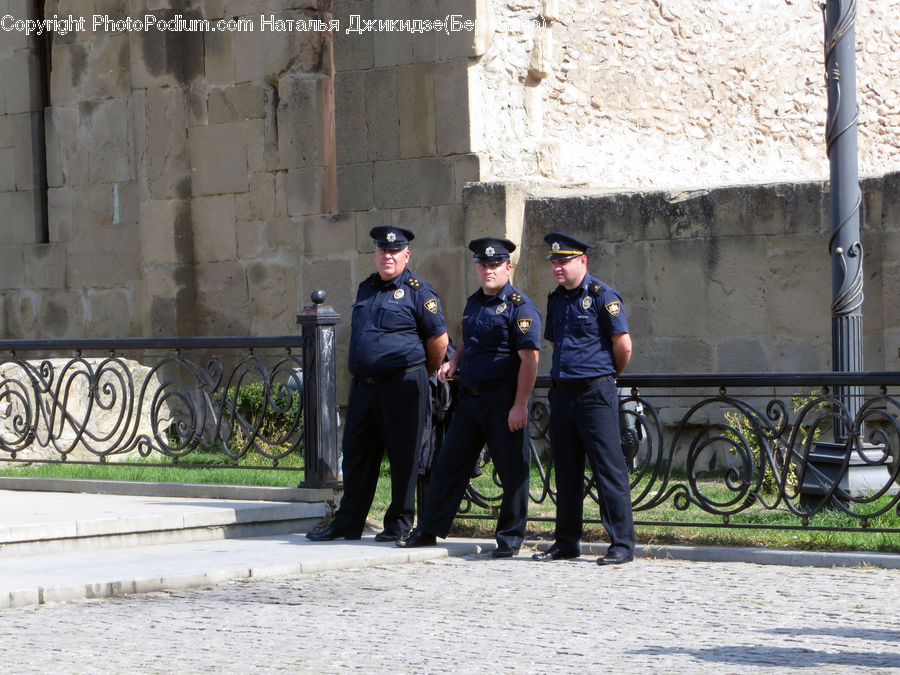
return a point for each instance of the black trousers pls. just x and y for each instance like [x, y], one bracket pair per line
[480, 420]
[586, 424]
[388, 416]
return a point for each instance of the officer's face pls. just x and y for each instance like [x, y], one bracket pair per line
[492, 277]
[390, 264]
[569, 273]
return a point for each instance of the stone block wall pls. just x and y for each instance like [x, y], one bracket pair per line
[205, 182]
[404, 149]
[733, 279]
[180, 165]
[20, 129]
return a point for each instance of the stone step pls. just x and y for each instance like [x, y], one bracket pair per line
[147, 514]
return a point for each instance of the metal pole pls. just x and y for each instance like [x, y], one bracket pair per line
[847, 467]
[844, 246]
[320, 436]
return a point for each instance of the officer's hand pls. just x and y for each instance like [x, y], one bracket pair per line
[518, 417]
[445, 371]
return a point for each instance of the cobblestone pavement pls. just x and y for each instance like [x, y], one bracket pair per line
[476, 614]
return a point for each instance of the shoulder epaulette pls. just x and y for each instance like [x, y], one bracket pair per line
[516, 298]
[413, 283]
[595, 288]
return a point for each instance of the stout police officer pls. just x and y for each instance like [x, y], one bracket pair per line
[591, 346]
[398, 336]
[496, 367]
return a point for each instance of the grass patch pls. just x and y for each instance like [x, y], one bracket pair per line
[699, 527]
[208, 467]
[481, 521]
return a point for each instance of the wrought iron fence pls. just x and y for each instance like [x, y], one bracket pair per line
[232, 401]
[743, 451]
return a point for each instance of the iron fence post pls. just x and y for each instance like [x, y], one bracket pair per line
[320, 393]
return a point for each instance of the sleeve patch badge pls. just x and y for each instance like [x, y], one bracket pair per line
[431, 305]
[614, 307]
[524, 324]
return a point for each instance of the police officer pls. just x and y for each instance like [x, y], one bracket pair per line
[591, 346]
[496, 367]
[398, 336]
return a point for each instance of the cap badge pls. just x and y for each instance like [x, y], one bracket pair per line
[555, 246]
[586, 302]
[501, 307]
[489, 250]
[391, 237]
[613, 307]
[524, 324]
[399, 293]
[431, 305]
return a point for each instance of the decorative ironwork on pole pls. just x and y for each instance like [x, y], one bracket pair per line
[848, 466]
[844, 246]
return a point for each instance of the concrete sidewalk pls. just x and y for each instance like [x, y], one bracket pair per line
[34, 580]
[65, 546]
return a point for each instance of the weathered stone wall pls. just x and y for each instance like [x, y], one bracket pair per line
[404, 151]
[179, 165]
[206, 182]
[637, 94]
[734, 279]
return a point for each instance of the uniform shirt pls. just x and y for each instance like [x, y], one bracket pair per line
[495, 328]
[580, 324]
[391, 321]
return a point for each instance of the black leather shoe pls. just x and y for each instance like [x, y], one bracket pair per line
[554, 553]
[416, 539]
[329, 533]
[388, 535]
[504, 551]
[615, 558]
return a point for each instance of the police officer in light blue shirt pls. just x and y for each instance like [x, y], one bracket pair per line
[496, 367]
[397, 337]
[591, 345]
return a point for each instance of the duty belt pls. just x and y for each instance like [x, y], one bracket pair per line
[580, 383]
[378, 379]
[483, 388]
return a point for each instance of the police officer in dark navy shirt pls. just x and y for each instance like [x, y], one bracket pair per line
[591, 346]
[496, 367]
[398, 336]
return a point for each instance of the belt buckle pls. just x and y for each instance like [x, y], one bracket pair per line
[582, 384]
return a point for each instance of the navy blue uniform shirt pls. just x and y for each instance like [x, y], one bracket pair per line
[495, 328]
[580, 324]
[391, 321]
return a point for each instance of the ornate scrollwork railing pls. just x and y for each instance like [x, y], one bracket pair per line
[237, 401]
[722, 449]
